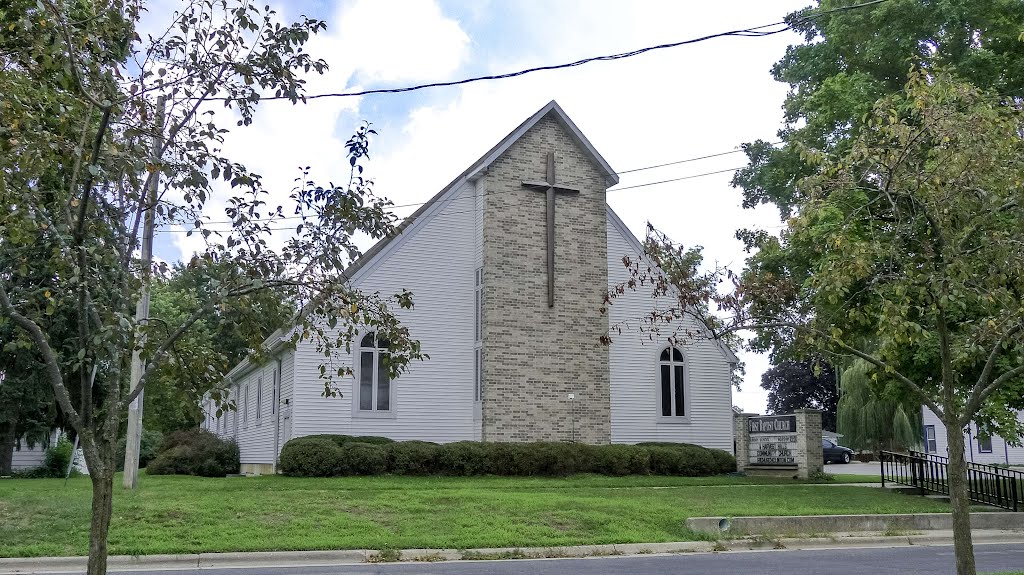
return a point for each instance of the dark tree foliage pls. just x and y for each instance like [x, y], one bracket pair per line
[810, 383]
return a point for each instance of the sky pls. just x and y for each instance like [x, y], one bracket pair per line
[655, 108]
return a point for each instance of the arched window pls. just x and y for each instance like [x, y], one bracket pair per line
[673, 389]
[374, 380]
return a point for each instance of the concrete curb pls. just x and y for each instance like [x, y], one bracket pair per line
[27, 565]
[793, 525]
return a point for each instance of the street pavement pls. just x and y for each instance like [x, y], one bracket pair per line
[853, 468]
[913, 560]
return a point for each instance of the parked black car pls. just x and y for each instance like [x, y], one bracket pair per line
[835, 453]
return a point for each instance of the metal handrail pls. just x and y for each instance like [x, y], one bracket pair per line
[928, 472]
[970, 464]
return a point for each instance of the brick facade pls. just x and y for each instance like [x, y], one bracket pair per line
[534, 356]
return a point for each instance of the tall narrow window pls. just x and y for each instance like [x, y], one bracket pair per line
[234, 416]
[245, 406]
[984, 444]
[673, 385]
[478, 363]
[374, 379]
[275, 394]
[259, 398]
[929, 439]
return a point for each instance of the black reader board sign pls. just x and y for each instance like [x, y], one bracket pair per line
[772, 424]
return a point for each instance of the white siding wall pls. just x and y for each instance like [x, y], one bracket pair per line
[31, 457]
[1001, 451]
[434, 400]
[635, 377]
[255, 435]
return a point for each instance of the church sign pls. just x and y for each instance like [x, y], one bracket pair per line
[773, 440]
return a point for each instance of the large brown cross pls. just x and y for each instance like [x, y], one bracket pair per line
[550, 188]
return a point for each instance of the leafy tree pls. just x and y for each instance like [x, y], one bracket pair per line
[876, 414]
[904, 253]
[852, 58]
[100, 130]
[810, 383]
[219, 339]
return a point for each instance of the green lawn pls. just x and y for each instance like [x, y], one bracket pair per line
[186, 514]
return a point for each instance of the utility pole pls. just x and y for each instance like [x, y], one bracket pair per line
[134, 438]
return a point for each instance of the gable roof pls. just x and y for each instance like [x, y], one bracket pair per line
[477, 168]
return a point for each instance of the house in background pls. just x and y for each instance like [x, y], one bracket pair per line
[991, 450]
[509, 266]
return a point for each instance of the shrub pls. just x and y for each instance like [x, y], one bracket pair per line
[341, 440]
[620, 460]
[57, 458]
[412, 457]
[195, 452]
[463, 458]
[149, 447]
[332, 455]
[363, 459]
[312, 456]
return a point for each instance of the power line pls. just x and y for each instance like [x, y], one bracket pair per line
[754, 32]
[576, 181]
[451, 200]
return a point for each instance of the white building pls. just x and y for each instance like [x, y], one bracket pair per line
[990, 451]
[514, 342]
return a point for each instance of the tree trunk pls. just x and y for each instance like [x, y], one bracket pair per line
[102, 509]
[963, 545]
[7, 441]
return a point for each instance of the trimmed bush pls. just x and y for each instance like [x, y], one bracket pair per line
[313, 456]
[341, 440]
[464, 458]
[363, 459]
[333, 455]
[412, 457]
[195, 452]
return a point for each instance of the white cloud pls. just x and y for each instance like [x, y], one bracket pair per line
[401, 40]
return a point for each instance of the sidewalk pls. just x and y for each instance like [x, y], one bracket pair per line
[357, 556]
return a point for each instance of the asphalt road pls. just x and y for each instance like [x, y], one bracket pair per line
[853, 468]
[918, 560]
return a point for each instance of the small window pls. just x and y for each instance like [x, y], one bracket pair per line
[984, 444]
[245, 406]
[930, 445]
[373, 378]
[826, 444]
[673, 388]
[259, 398]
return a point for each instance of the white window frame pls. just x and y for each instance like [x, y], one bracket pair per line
[373, 412]
[234, 415]
[276, 391]
[931, 445]
[245, 407]
[672, 363]
[259, 399]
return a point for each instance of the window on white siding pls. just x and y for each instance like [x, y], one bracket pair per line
[245, 406]
[276, 393]
[259, 398]
[984, 444]
[478, 360]
[929, 439]
[672, 389]
[374, 389]
[234, 414]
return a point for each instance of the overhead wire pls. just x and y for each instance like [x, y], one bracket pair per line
[753, 32]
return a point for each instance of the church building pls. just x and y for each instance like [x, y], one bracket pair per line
[509, 266]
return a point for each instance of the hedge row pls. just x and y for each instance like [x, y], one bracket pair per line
[336, 455]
